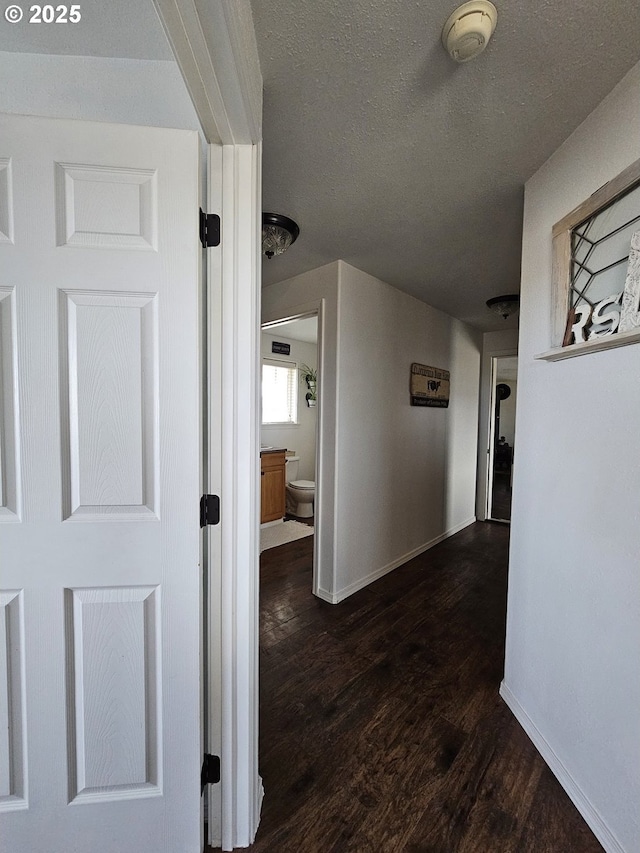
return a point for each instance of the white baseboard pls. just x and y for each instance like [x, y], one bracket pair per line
[259, 802]
[574, 792]
[326, 596]
[336, 598]
[275, 523]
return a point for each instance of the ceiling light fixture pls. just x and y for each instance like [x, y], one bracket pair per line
[468, 30]
[504, 305]
[278, 233]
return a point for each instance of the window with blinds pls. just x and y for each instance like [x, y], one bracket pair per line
[279, 392]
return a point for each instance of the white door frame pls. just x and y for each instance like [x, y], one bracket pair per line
[492, 437]
[314, 309]
[485, 462]
[214, 45]
[239, 341]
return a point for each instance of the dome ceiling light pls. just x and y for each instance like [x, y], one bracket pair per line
[468, 30]
[504, 305]
[278, 233]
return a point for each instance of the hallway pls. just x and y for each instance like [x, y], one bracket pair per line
[381, 724]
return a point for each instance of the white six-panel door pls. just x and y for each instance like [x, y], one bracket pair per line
[99, 488]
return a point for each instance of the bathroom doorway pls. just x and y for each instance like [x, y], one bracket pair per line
[289, 421]
[502, 437]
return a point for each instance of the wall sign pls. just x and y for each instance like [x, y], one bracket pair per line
[596, 267]
[429, 386]
[586, 321]
[282, 349]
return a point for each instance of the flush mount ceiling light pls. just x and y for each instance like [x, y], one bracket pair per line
[468, 29]
[504, 305]
[278, 233]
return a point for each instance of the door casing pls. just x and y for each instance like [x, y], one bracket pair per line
[214, 45]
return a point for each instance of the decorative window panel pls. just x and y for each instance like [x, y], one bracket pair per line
[599, 259]
[596, 261]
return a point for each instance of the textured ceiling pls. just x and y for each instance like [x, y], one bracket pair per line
[410, 167]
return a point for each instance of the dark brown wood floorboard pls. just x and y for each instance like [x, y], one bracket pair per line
[381, 727]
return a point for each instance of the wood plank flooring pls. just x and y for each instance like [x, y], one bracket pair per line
[381, 725]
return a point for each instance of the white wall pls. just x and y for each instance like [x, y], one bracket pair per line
[406, 474]
[125, 91]
[300, 437]
[573, 633]
[403, 477]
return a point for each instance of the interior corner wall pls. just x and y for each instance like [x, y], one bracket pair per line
[493, 344]
[573, 627]
[406, 474]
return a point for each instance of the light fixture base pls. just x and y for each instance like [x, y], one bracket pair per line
[504, 305]
[468, 30]
[278, 233]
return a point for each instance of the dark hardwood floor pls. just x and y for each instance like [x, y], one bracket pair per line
[381, 725]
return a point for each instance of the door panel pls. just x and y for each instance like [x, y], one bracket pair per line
[109, 398]
[99, 549]
[9, 439]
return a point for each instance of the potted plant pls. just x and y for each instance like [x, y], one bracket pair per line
[310, 376]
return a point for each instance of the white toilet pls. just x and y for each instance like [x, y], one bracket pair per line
[300, 493]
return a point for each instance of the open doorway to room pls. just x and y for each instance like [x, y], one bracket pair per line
[502, 437]
[289, 430]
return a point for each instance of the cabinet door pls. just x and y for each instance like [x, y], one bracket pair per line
[272, 487]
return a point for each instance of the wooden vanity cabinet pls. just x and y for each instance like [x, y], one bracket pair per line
[272, 486]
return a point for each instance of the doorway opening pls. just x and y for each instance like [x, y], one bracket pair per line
[289, 421]
[504, 385]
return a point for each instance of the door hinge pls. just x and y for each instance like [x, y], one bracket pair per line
[209, 510]
[209, 229]
[210, 773]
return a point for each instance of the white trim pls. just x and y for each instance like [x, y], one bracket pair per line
[322, 517]
[275, 523]
[491, 436]
[213, 534]
[620, 339]
[240, 347]
[336, 598]
[485, 427]
[588, 811]
[337, 509]
[292, 425]
[215, 47]
[493, 379]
